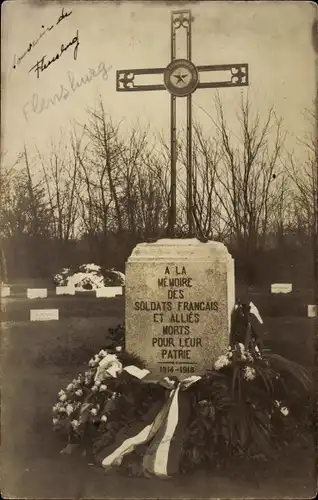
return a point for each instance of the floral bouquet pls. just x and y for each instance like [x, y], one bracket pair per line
[84, 405]
[242, 406]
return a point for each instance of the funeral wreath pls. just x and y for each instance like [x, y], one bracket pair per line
[242, 406]
[88, 277]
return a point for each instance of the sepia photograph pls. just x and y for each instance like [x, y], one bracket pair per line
[158, 249]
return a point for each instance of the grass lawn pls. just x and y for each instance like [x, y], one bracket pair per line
[18, 308]
[40, 358]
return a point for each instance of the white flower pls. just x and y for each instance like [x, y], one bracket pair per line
[242, 347]
[92, 362]
[108, 366]
[284, 410]
[104, 418]
[250, 357]
[221, 362]
[63, 397]
[61, 393]
[88, 377]
[79, 392]
[69, 409]
[56, 408]
[55, 421]
[75, 424]
[97, 383]
[103, 387]
[94, 388]
[70, 387]
[93, 411]
[243, 357]
[249, 373]
[119, 348]
[90, 267]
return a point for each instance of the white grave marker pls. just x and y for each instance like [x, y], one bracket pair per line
[109, 291]
[4, 291]
[44, 314]
[312, 311]
[36, 293]
[65, 290]
[281, 287]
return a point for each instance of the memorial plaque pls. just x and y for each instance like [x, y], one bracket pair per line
[44, 314]
[65, 290]
[312, 311]
[109, 291]
[179, 299]
[36, 293]
[281, 287]
[4, 291]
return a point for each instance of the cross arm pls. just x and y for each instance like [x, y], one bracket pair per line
[125, 80]
[237, 75]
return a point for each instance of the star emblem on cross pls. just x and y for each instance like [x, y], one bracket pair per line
[180, 78]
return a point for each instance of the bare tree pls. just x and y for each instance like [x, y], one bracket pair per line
[303, 174]
[60, 173]
[125, 186]
[7, 174]
[240, 178]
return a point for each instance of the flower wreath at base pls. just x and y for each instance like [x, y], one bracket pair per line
[241, 406]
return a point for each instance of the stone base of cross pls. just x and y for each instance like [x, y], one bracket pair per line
[181, 78]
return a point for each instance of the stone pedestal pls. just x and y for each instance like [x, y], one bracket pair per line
[179, 298]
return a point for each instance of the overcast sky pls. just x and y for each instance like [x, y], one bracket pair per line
[274, 38]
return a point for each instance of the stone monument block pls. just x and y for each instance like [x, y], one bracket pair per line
[36, 293]
[44, 314]
[180, 294]
[4, 291]
[312, 311]
[281, 287]
[109, 291]
[65, 290]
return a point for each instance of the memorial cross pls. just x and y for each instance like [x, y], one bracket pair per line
[181, 78]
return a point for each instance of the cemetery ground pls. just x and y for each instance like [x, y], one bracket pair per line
[39, 358]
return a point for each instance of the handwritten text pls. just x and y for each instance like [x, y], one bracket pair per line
[18, 60]
[37, 104]
[42, 65]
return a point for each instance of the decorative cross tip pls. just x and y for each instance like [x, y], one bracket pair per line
[181, 19]
[239, 74]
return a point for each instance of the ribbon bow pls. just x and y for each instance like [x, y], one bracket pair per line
[162, 427]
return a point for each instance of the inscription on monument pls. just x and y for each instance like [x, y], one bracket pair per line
[177, 338]
[179, 299]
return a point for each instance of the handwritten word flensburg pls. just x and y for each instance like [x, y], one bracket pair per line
[41, 65]
[37, 104]
[18, 60]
